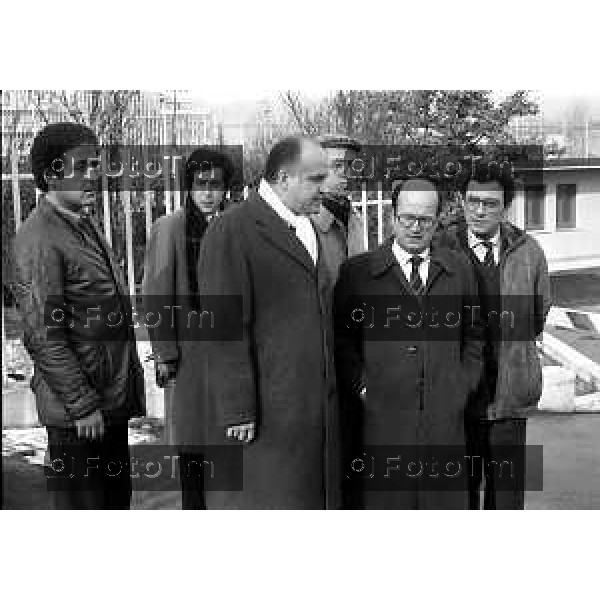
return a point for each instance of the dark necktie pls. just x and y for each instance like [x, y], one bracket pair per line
[488, 259]
[415, 277]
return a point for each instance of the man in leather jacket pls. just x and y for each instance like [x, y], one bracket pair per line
[76, 316]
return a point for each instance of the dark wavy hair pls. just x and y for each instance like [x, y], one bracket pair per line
[52, 142]
[493, 172]
[195, 221]
[199, 161]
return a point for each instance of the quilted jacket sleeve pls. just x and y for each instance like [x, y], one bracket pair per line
[39, 291]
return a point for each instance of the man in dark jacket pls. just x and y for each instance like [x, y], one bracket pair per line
[170, 279]
[407, 381]
[271, 390]
[512, 277]
[76, 315]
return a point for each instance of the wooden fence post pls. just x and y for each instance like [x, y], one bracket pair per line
[106, 199]
[365, 215]
[176, 184]
[167, 185]
[16, 191]
[149, 197]
[129, 241]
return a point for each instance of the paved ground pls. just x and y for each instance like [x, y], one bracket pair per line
[570, 447]
[585, 342]
[571, 461]
[579, 290]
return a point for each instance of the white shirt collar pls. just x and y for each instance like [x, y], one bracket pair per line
[272, 199]
[302, 226]
[404, 257]
[475, 241]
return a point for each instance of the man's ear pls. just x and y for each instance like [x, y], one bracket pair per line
[50, 177]
[282, 179]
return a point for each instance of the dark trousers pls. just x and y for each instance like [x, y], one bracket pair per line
[191, 473]
[87, 474]
[492, 445]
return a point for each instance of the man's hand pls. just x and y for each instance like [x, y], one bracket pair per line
[91, 427]
[244, 432]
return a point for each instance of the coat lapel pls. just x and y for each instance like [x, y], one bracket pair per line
[271, 226]
[435, 268]
[438, 264]
[383, 260]
[53, 213]
[116, 271]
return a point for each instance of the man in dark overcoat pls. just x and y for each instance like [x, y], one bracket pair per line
[408, 388]
[271, 390]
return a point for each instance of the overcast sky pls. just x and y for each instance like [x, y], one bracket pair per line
[555, 105]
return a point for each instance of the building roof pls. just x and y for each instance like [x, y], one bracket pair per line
[565, 164]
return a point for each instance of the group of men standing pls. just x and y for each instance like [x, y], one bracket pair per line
[303, 390]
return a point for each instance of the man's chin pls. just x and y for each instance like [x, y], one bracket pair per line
[416, 246]
[313, 210]
[207, 209]
[481, 229]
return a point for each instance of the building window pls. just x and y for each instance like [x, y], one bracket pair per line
[535, 199]
[565, 205]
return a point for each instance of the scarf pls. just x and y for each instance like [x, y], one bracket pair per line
[195, 226]
[339, 206]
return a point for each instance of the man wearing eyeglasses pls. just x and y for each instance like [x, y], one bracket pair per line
[407, 382]
[512, 277]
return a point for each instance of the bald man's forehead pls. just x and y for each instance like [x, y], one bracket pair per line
[418, 194]
[313, 156]
[420, 185]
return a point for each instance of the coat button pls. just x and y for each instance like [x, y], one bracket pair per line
[411, 349]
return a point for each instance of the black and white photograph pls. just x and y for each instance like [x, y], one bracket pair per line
[231, 285]
[262, 263]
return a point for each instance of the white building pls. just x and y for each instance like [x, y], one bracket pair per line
[562, 211]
